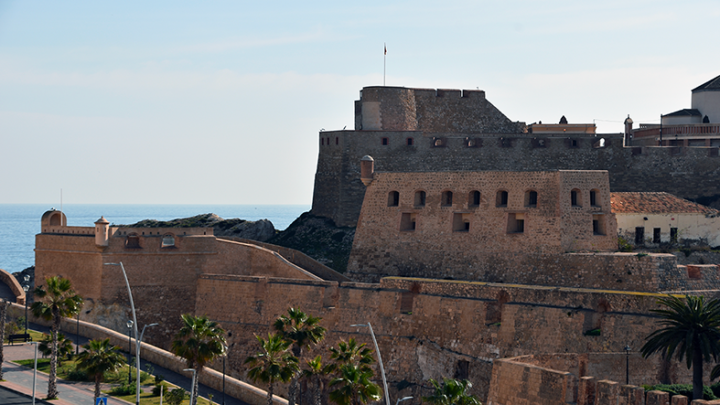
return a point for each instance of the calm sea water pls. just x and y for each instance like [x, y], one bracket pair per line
[19, 223]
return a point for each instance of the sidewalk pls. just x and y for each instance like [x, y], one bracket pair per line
[80, 393]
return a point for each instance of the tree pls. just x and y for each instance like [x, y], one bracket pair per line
[351, 352]
[199, 341]
[302, 330]
[272, 363]
[691, 330]
[64, 347]
[3, 314]
[176, 396]
[314, 373]
[99, 358]
[58, 301]
[354, 386]
[451, 392]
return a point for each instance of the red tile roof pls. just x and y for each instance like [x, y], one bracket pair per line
[656, 203]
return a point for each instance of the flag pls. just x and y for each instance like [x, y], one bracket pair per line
[384, 46]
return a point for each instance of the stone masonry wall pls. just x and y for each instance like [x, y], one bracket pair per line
[434, 328]
[338, 192]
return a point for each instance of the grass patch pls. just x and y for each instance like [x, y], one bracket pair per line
[68, 366]
[35, 335]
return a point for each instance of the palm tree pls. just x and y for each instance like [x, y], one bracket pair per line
[354, 386]
[302, 330]
[64, 347]
[351, 352]
[314, 373]
[199, 341]
[691, 330]
[273, 363]
[451, 392]
[99, 358]
[57, 302]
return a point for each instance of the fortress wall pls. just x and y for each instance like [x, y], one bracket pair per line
[690, 173]
[75, 257]
[520, 383]
[434, 328]
[251, 260]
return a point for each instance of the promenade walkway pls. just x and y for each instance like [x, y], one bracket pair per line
[19, 379]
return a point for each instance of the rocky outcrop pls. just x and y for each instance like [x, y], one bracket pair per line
[260, 230]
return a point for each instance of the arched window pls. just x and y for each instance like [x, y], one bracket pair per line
[531, 198]
[132, 241]
[474, 198]
[501, 199]
[410, 142]
[447, 198]
[420, 198]
[55, 219]
[393, 199]
[576, 198]
[168, 240]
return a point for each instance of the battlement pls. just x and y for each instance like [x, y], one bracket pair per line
[432, 110]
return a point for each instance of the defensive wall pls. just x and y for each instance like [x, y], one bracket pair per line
[477, 144]
[440, 328]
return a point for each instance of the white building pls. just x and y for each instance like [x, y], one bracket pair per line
[649, 219]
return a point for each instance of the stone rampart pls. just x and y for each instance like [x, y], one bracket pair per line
[338, 192]
[14, 286]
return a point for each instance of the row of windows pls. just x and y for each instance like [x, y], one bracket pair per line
[640, 235]
[132, 241]
[439, 142]
[515, 222]
[501, 198]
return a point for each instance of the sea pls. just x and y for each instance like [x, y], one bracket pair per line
[19, 223]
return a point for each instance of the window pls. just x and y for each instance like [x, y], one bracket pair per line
[168, 241]
[410, 141]
[447, 198]
[393, 199]
[598, 223]
[474, 198]
[420, 198]
[575, 198]
[322, 141]
[132, 241]
[407, 222]
[656, 235]
[406, 302]
[461, 222]
[594, 198]
[673, 235]
[516, 223]
[501, 198]
[639, 235]
[439, 142]
[385, 141]
[337, 141]
[55, 220]
[462, 370]
[531, 199]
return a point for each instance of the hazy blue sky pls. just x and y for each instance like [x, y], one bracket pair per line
[220, 102]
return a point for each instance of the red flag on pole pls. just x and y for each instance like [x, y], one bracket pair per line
[384, 46]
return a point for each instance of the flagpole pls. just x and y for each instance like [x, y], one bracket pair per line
[384, 59]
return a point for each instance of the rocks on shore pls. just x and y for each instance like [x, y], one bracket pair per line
[261, 230]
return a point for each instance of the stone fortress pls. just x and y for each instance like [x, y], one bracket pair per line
[477, 239]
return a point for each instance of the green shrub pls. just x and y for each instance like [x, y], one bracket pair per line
[77, 375]
[125, 389]
[624, 245]
[682, 389]
[176, 396]
[156, 389]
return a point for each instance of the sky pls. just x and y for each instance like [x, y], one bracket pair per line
[221, 102]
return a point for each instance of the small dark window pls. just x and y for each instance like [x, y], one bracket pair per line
[598, 224]
[328, 141]
[516, 223]
[594, 198]
[462, 370]
[168, 241]
[575, 198]
[656, 235]
[531, 199]
[501, 199]
[461, 222]
[420, 198]
[337, 141]
[407, 222]
[393, 199]
[673, 235]
[132, 241]
[474, 198]
[639, 236]
[447, 198]
[322, 141]
[573, 143]
[385, 141]
[406, 302]
[410, 141]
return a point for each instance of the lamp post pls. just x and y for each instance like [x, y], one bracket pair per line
[225, 350]
[377, 350]
[129, 325]
[192, 387]
[26, 288]
[627, 364]
[402, 399]
[138, 344]
[137, 347]
[34, 372]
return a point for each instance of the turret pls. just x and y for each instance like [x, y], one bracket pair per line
[628, 130]
[367, 169]
[102, 231]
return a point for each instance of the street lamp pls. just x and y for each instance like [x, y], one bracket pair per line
[26, 288]
[225, 350]
[34, 372]
[138, 344]
[402, 399]
[627, 364]
[129, 325]
[192, 387]
[134, 326]
[377, 350]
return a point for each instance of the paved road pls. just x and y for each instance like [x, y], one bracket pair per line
[78, 393]
[9, 397]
